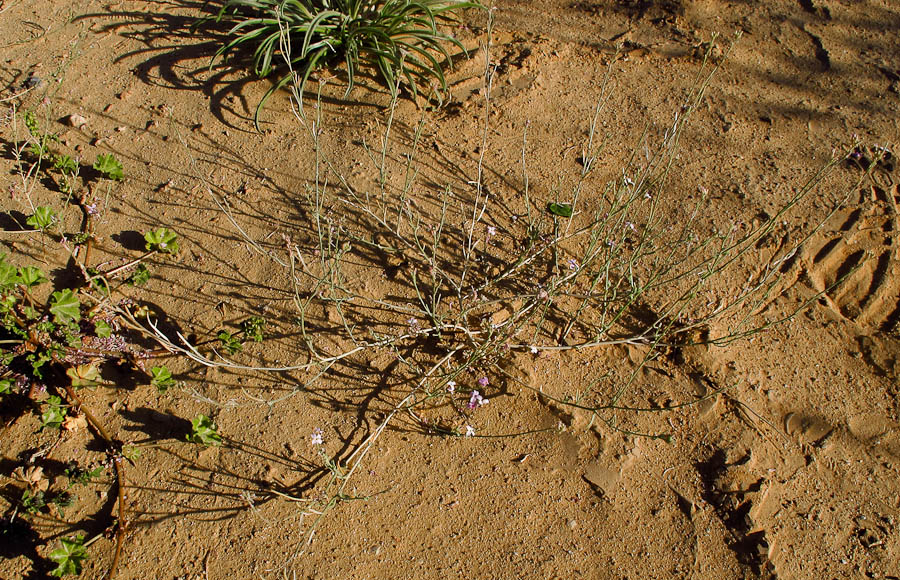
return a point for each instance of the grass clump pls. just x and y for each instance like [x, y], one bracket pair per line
[398, 38]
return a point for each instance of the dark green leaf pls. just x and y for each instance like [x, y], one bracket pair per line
[560, 209]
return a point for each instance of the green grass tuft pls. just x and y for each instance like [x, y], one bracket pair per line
[400, 39]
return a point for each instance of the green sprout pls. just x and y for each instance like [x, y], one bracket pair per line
[33, 503]
[253, 328]
[161, 240]
[560, 209]
[140, 276]
[109, 167]
[54, 415]
[162, 379]
[42, 219]
[203, 431]
[230, 343]
[69, 556]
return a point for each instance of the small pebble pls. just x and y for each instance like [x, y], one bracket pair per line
[76, 121]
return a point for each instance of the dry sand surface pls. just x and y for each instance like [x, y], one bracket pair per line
[786, 465]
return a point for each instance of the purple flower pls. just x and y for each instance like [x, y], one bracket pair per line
[483, 382]
[317, 437]
[476, 400]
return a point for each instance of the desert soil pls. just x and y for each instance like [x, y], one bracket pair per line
[790, 472]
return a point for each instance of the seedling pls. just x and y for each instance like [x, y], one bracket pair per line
[203, 431]
[69, 556]
[42, 219]
[253, 328]
[162, 379]
[161, 240]
[82, 476]
[54, 414]
[33, 502]
[230, 343]
[109, 167]
[560, 209]
[140, 276]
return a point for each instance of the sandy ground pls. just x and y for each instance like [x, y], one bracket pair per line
[790, 472]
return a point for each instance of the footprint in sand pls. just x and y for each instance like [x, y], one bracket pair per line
[854, 259]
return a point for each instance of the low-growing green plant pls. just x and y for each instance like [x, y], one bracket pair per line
[43, 218]
[400, 39]
[109, 167]
[204, 431]
[80, 476]
[54, 413]
[69, 556]
[161, 378]
[161, 240]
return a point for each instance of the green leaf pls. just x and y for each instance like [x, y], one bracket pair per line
[560, 209]
[102, 328]
[69, 556]
[65, 307]
[54, 415]
[229, 342]
[140, 276]
[32, 123]
[33, 503]
[108, 165]
[131, 453]
[203, 431]
[253, 328]
[162, 240]
[9, 274]
[162, 379]
[38, 360]
[84, 375]
[5, 386]
[42, 219]
[30, 312]
[31, 276]
[65, 164]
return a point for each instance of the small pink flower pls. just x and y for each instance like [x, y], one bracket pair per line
[476, 400]
[491, 231]
[483, 382]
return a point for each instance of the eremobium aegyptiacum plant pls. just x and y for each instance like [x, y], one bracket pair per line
[401, 39]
